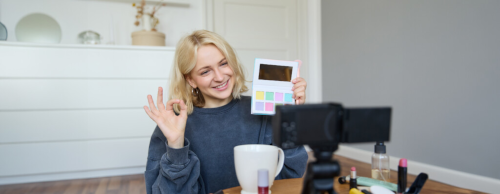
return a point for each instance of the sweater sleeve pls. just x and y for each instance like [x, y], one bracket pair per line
[295, 163]
[170, 170]
[295, 158]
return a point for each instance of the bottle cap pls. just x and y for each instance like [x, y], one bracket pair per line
[342, 180]
[263, 178]
[403, 162]
[380, 147]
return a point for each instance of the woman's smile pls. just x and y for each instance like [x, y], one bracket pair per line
[223, 86]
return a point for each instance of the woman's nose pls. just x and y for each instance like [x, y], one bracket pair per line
[218, 76]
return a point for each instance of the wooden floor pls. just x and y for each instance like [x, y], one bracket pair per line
[131, 184]
[134, 184]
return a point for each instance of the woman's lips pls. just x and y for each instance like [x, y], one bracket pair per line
[223, 87]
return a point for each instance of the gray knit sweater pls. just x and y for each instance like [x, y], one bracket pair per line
[206, 162]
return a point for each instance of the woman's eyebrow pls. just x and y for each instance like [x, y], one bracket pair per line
[208, 66]
[222, 60]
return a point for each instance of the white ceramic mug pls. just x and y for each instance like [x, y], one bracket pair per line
[248, 159]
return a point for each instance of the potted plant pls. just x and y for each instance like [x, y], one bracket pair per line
[148, 36]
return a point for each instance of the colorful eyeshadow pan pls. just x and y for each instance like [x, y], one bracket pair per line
[288, 97]
[259, 95]
[270, 96]
[269, 106]
[267, 101]
[259, 106]
[279, 97]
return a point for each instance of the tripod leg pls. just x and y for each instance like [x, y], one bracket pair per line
[308, 188]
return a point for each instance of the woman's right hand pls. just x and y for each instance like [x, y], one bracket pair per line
[171, 125]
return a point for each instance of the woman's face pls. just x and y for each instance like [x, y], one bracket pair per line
[212, 76]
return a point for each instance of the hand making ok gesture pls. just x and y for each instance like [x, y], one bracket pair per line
[172, 126]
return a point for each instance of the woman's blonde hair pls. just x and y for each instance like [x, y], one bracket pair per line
[185, 61]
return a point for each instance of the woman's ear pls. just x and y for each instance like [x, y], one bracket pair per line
[190, 81]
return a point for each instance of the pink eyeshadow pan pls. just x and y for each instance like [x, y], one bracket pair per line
[269, 106]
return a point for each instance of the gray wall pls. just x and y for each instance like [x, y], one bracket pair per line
[437, 63]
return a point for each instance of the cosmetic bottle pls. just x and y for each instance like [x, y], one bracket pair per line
[369, 182]
[263, 181]
[380, 163]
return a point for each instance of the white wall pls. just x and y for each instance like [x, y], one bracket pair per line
[76, 16]
[437, 63]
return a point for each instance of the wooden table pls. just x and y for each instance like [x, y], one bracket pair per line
[294, 186]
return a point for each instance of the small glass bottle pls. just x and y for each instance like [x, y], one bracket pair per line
[263, 181]
[380, 163]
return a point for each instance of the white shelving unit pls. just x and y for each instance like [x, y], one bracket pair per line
[76, 109]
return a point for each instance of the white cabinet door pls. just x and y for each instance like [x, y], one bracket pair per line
[257, 29]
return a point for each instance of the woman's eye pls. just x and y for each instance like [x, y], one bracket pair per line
[223, 64]
[203, 73]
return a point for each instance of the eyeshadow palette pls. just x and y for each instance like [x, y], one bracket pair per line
[272, 85]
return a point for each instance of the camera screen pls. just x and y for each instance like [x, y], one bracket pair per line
[275, 72]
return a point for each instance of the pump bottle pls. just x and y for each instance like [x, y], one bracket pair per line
[380, 163]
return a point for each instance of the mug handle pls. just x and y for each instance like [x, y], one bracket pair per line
[281, 161]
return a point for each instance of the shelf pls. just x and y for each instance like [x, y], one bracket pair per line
[173, 3]
[99, 46]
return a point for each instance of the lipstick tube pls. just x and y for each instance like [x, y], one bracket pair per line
[263, 181]
[353, 183]
[402, 172]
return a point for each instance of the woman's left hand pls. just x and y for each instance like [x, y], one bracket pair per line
[299, 90]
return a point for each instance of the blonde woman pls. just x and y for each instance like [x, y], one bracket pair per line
[194, 154]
